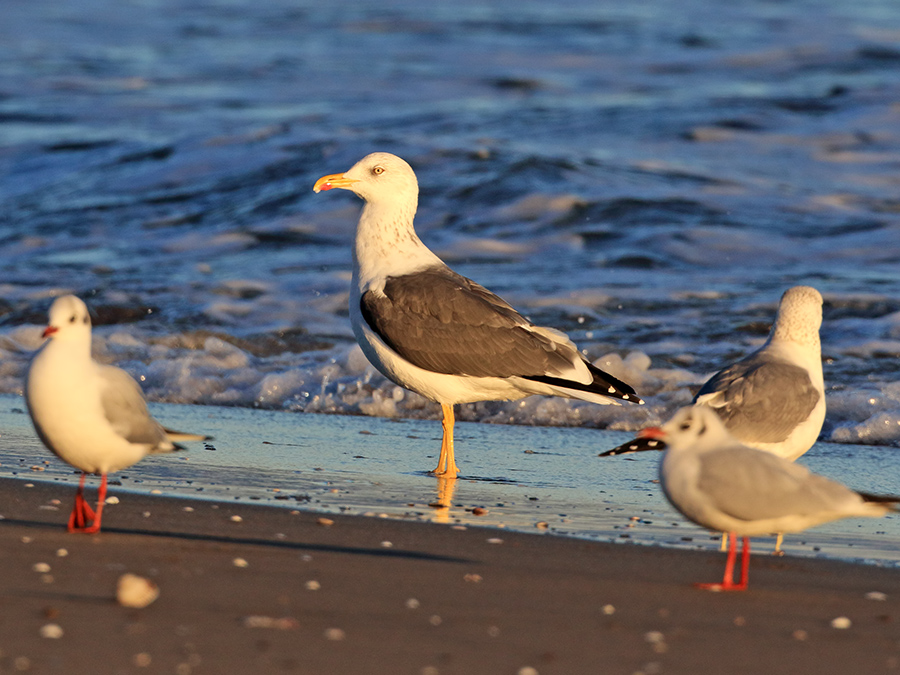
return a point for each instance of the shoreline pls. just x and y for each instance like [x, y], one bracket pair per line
[395, 596]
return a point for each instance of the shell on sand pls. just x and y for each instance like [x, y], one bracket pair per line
[135, 591]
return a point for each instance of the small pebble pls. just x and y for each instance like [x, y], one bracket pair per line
[494, 540]
[386, 544]
[61, 553]
[608, 610]
[325, 522]
[335, 634]
[155, 491]
[493, 631]
[800, 635]
[473, 578]
[51, 631]
[41, 567]
[240, 562]
[479, 511]
[283, 623]
[739, 621]
[146, 514]
[435, 620]
[27, 540]
[313, 585]
[841, 623]
[458, 528]
[188, 508]
[47, 578]
[876, 595]
[542, 525]
[142, 660]
[236, 519]
[111, 500]
[412, 603]
[654, 636]
[527, 670]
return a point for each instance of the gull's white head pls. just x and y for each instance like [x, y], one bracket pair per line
[69, 319]
[694, 427]
[799, 316]
[379, 178]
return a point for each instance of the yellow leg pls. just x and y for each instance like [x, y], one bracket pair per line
[724, 545]
[446, 467]
[778, 542]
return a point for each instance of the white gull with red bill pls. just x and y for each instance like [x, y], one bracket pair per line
[438, 333]
[90, 415]
[721, 484]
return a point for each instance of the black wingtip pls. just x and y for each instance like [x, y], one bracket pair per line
[637, 445]
[892, 500]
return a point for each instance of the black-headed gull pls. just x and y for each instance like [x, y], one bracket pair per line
[92, 416]
[726, 486]
[773, 399]
[438, 333]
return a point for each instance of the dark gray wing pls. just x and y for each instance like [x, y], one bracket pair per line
[760, 400]
[125, 408]
[753, 484]
[443, 322]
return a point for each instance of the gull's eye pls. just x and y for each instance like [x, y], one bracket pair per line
[72, 319]
[685, 426]
[378, 170]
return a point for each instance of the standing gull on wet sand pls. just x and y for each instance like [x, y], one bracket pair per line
[773, 399]
[721, 484]
[92, 416]
[438, 333]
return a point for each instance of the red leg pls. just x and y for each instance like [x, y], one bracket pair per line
[101, 498]
[745, 563]
[81, 512]
[728, 580]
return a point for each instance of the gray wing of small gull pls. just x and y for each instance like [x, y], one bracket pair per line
[126, 410]
[751, 484]
[761, 400]
[443, 322]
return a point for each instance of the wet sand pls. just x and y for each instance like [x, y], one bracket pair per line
[408, 597]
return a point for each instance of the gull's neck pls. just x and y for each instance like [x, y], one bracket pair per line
[387, 244]
[805, 334]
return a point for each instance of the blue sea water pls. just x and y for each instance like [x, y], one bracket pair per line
[649, 177]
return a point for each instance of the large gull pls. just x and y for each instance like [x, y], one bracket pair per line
[724, 485]
[90, 415]
[438, 333]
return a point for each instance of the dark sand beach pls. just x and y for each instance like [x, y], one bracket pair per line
[376, 595]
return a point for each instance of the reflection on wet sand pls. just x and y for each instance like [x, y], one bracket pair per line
[441, 506]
